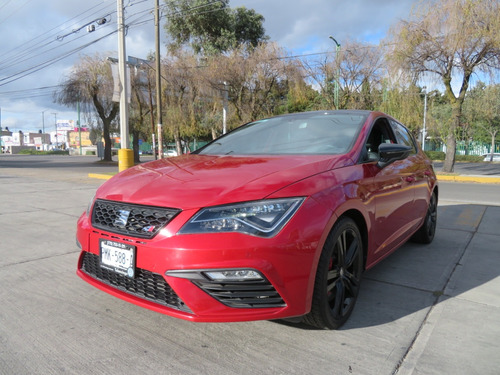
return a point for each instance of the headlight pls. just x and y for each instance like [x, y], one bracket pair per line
[260, 218]
[89, 206]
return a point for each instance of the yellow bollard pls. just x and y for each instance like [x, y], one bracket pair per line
[125, 159]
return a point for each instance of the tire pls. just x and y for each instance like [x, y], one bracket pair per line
[425, 234]
[338, 277]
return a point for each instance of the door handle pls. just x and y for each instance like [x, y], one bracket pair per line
[410, 179]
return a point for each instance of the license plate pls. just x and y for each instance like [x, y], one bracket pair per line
[118, 257]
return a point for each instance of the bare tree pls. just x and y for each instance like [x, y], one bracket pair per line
[358, 67]
[140, 107]
[257, 80]
[451, 39]
[90, 83]
[189, 103]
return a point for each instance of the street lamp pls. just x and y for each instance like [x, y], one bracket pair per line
[424, 131]
[43, 122]
[55, 125]
[337, 79]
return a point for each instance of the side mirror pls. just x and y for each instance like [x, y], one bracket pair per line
[391, 152]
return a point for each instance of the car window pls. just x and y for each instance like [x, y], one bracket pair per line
[403, 136]
[380, 133]
[305, 134]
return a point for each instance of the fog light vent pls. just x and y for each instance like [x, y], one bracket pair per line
[241, 288]
[243, 294]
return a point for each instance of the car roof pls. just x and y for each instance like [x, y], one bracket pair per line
[327, 112]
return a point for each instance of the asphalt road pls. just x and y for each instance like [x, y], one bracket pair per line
[425, 310]
[480, 169]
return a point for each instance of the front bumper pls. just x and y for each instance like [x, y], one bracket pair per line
[287, 263]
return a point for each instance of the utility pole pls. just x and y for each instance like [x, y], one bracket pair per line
[125, 155]
[158, 81]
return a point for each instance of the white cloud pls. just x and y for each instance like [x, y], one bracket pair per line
[33, 28]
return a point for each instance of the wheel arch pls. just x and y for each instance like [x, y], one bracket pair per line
[436, 190]
[360, 222]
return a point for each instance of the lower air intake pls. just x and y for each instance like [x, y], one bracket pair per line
[146, 284]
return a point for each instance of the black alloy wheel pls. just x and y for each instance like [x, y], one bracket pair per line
[426, 233]
[338, 277]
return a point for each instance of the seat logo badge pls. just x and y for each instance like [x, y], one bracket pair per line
[122, 218]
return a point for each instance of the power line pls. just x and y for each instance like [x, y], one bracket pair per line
[11, 57]
[14, 11]
[38, 67]
[30, 93]
[25, 54]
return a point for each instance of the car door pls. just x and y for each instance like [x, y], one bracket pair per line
[421, 171]
[391, 189]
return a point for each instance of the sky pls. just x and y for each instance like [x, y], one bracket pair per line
[42, 40]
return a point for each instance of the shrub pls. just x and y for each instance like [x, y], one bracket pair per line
[439, 155]
[435, 155]
[470, 158]
[36, 152]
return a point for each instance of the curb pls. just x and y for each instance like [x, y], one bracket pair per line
[99, 176]
[478, 179]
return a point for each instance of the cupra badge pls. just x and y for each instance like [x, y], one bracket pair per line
[121, 219]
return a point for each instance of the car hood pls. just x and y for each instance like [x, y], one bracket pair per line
[193, 181]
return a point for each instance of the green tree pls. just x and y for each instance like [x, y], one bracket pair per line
[482, 109]
[90, 83]
[405, 103]
[451, 39]
[212, 27]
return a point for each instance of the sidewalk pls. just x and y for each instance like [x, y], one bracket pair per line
[488, 173]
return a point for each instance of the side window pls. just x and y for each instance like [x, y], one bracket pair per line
[380, 133]
[403, 136]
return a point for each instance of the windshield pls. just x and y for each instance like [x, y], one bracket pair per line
[313, 133]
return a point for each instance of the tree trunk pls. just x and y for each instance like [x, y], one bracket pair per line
[177, 140]
[107, 141]
[451, 141]
[493, 136]
[451, 149]
[106, 123]
[135, 146]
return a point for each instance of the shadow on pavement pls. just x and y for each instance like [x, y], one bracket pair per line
[461, 259]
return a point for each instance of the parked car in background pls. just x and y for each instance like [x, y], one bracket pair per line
[276, 219]
[494, 157]
[169, 152]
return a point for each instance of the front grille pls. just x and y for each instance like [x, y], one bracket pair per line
[248, 294]
[146, 284]
[131, 219]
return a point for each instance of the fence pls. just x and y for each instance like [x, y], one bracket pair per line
[463, 147]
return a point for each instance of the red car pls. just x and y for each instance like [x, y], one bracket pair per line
[276, 219]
